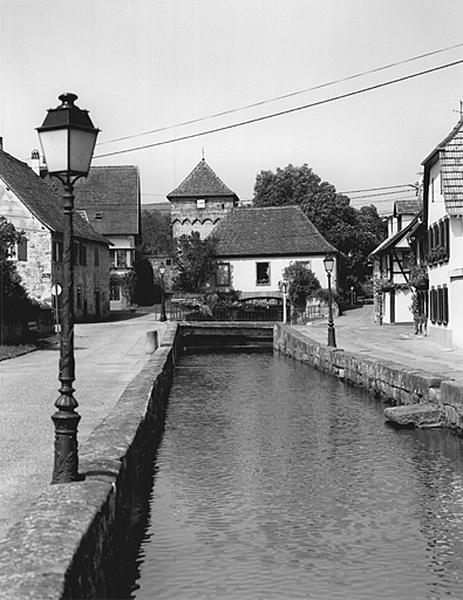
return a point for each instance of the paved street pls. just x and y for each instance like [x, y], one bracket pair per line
[108, 355]
[356, 332]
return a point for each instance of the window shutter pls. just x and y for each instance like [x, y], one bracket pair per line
[445, 305]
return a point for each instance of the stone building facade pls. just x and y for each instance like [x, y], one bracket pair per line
[200, 202]
[31, 205]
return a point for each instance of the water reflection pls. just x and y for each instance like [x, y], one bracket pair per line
[275, 481]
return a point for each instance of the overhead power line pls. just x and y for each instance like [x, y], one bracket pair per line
[284, 112]
[284, 96]
[383, 187]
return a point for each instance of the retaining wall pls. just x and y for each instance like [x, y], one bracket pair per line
[390, 381]
[76, 538]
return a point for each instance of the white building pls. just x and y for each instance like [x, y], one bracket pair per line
[255, 245]
[443, 215]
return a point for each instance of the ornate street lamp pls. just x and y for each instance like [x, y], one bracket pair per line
[162, 271]
[328, 262]
[67, 137]
[283, 285]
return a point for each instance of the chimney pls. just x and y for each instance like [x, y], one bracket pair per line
[35, 161]
[1, 143]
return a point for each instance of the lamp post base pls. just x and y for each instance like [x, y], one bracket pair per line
[331, 336]
[66, 456]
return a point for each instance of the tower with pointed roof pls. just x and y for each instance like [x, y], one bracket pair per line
[200, 202]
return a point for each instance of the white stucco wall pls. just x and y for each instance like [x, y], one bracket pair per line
[448, 273]
[243, 272]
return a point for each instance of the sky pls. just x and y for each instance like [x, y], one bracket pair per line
[141, 65]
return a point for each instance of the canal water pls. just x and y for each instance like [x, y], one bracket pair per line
[274, 481]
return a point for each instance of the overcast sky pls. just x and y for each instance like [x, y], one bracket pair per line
[139, 65]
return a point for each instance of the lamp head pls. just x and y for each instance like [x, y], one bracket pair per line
[328, 263]
[67, 137]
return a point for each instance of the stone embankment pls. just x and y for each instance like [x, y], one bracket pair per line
[75, 539]
[394, 383]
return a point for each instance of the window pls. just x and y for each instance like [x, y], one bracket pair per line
[75, 253]
[58, 251]
[263, 273]
[432, 188]
[121, 258]
[79, 297]
[223, 274]
[22, 249]
[96, 256]
[82, 254]
[98, 216]
[114, 292]
[112, 258]
[201, 203]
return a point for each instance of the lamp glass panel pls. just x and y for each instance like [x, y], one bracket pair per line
[82, 144]
[54, 145]
[329, 264]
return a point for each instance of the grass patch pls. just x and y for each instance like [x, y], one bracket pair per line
[15, 350]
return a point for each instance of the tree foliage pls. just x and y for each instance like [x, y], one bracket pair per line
[302, 285]
[156, 232]
[355, 233]
[14, 301]
[195, 262]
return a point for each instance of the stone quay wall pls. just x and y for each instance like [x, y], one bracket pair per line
[390, 381]
[79, 538]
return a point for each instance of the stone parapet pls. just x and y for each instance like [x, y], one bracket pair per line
[76, 537]
[393, 382]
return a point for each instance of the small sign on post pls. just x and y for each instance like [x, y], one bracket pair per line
[55, 292]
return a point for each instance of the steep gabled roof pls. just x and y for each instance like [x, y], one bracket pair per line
[269, 231]
[202, 181]
[113, 191]
[395, 238]
[39, 197]
[450, 151]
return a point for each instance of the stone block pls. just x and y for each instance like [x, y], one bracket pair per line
[416, 415]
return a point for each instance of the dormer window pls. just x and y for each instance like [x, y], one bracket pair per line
[98, 215]
[201, 203]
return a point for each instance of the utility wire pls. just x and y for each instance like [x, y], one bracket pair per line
[284, 96]
[380, 194]
[384, 187]
[283, 112]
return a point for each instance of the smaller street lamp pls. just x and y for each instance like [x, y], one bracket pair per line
[328, 262]
[283, 285]
[67, 137]
[162, 271]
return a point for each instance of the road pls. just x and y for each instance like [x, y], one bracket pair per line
[108, 356]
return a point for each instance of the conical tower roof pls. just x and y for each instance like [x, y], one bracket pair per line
[201, 182]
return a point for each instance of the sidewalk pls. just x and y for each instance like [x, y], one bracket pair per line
[108, 356]
[356, 332]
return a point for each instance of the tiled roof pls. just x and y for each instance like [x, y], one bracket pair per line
[270, 231]
[202, 181]
[114, 192]
[450, 151]
[407, 207]
[39, 197]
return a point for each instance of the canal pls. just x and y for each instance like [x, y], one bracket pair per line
[275, 481]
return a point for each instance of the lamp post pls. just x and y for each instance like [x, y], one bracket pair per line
[284, 290]
[328, 262]
[162, 271]
[67, 137]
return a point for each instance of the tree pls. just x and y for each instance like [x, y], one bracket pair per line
[194, 262]
[156, 232]
[355, 233]
[14, 301]
[302, 285]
